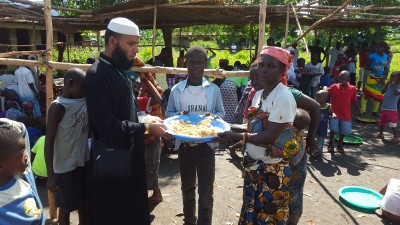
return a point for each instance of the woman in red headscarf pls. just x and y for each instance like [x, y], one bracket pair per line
[270, 143]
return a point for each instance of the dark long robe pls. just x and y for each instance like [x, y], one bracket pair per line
[119, 202]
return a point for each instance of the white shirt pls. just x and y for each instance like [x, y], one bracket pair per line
[391, 199]
[24, 78]
[194, 100]
[281, 106]
[315, 69]
[7, 80]
[334, 53]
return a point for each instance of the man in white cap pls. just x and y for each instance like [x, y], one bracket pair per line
[112, 110]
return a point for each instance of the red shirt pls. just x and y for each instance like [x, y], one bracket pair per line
[363, 55]
[143, 103]
[341, 99]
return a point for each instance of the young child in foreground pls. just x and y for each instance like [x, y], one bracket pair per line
[342, 95]
[66, 148]
[389, 112]
[19, 200]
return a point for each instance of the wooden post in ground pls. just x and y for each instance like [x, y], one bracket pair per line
[153, 42]
[261, 25]
[287, 26]
[49, 48]
[299, 26]
[98, 42]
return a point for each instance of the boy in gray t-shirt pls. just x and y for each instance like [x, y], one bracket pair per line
[389, 112]
[66, 148]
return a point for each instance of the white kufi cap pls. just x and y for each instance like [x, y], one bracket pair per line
[123, 26]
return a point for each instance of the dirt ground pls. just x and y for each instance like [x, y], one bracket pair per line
[369, 165]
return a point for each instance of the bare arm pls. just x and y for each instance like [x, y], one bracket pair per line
[155, 95]
[54, 116]
[313, 107]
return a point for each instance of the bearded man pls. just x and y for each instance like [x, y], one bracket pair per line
[112, 109]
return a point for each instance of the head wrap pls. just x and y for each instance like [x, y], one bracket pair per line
[123, 26]
[280, 54]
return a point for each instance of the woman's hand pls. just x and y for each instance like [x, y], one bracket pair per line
[230, 136]
[311, 145]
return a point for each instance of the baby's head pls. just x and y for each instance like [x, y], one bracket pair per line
[322, 97]
[13, 157]
[302, 119]
[301, 62]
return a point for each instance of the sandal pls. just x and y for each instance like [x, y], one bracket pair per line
[340, 149]
[331, 148]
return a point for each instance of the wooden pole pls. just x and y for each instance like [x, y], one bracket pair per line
[299, 26]
[153, 42]
[287, 25]
[33, 35]
[98, 42]
[261, 25]
[49, 48]
[157, 69]
[326, 18]
[329, 47]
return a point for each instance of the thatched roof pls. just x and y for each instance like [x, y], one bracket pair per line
[194, 12]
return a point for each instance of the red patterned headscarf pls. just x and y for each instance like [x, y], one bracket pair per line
[280, 54]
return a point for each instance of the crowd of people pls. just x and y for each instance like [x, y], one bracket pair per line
[110, 107]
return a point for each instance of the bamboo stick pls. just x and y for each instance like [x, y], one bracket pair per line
[261, 25]
[49, 48]
[153, 41]
[19, 53]
[299, 26]
[322, 20]
[40, 6]
[287, 25]
[157, 69]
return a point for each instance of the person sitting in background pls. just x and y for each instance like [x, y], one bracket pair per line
[14, 112]
[27, 90]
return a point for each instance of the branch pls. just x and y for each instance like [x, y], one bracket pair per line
[322, 20]
[41, 6]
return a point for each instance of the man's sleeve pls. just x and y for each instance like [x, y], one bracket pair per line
[219, 106]
[29, 77]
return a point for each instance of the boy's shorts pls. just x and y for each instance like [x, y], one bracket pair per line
[70, 189]
[340, 126]
[389, 117]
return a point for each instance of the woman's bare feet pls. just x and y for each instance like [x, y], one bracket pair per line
[156, 197]
[395, 140]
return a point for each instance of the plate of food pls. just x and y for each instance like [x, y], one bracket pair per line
[195, 128]
[367, 119]
[361, 197]
[350, 139]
